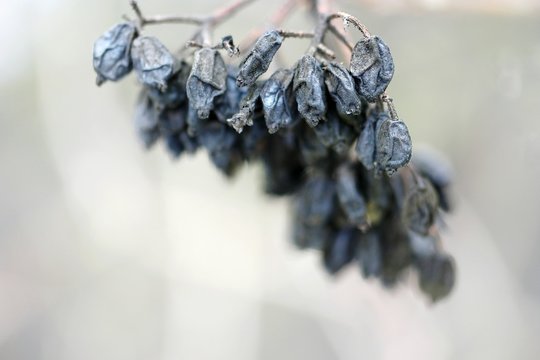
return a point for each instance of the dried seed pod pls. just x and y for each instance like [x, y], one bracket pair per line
[420, 207]
[340, 251]
[275, 96]
[221, 142]
[309, 90]
[369, 254]
[111, 55]
[283, 167]
[175, 92]
[254, 139]
[259, 58]
[341, 86]
[396, 251]
[154, 64]
[437, 276]
[335, 134]
[173, 145]
[207, 81]
[312, 150]
[171, 121]
[439, 172]
[227, 104]
[190, 143]
[366, 144]
[194, 123]
[309, 236]
[351, 200]
[248, 105]
[317, 197]
[393, 144]
[373, 66]
[146, 120]
[422, 246]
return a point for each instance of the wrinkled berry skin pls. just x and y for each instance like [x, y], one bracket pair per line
[153, 63]
[340, 251]
[437, 276]
[373, 66]
[342, 89]
[208, 80]
[393, 144]
[221, 142]
[365, 146]
[384, 144]
[351, 200]
[111, 56]
[369, 254]
[259, 58]
[335, 134]
[420, 208]
[275, 99]
[310, 90]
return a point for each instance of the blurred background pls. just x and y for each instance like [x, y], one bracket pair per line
[111, 252]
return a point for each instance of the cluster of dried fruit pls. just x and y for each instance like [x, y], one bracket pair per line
[326, 135]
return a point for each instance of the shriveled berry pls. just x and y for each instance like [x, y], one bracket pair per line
[153, 62]
[309, 90]
[373, 66]
[111, 56]
[259, 58]
[207, 81]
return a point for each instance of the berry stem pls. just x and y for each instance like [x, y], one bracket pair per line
[348, 18]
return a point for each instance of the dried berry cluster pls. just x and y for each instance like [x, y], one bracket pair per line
[326, 134]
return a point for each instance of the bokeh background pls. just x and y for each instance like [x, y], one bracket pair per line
[109, 252]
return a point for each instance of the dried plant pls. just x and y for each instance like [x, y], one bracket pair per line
[327, 134]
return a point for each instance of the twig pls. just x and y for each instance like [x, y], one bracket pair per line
[296, 34]
[341, 37]
[347, 18]
[390, 104]
[323, 49]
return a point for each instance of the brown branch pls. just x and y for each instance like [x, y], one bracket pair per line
[218, 17]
